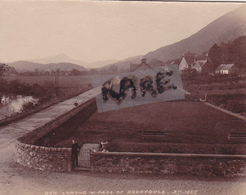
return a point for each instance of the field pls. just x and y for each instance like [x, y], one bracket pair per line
[178, 126]
[48, 92]
[64, 81]
[184, 127]
[224, 91]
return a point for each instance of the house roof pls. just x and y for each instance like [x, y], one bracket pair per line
[155, 63]
[143, 64]
[225, 67]
[200, 63]
[190, 59]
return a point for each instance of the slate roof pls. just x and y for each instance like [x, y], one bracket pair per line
[190, 59]
[225, 67]
[200, 63]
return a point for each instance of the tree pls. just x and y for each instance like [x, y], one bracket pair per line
[3, 68]
[113, 69]
[75, 72]
[93, 71]
[215, 54]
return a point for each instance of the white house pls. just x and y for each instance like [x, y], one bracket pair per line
[225, 69]
[192, 62]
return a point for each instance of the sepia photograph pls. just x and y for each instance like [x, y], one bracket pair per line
[122, 97]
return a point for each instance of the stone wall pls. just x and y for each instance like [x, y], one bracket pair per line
[160, 163]
[43, 158]
[46, 158]
[31, 137]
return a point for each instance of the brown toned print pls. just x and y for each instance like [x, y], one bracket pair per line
[122, 97]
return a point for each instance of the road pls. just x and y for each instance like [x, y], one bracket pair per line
[15, 179]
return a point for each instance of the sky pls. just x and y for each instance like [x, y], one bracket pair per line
[97, 31]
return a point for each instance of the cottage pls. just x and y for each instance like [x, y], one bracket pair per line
[226, 69]
[186, 62]
[192, 62]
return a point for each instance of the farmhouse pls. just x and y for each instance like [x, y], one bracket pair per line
[192, 62]
[186, 62]
[226, 69]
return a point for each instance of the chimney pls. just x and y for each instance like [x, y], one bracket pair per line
[206, 56]
[143, 61]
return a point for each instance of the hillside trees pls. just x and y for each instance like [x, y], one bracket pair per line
[235, 51]
[16, 87]
[3, 68]
[215, 55]
[232, 52]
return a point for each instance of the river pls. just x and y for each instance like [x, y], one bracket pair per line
[13, 105]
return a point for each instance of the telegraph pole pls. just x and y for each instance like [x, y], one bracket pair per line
[57, 81]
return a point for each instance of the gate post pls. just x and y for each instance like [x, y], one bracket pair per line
[69, 162]
[92, 162]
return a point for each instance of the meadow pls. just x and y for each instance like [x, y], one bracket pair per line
[48, 90]
[64, 81]
[224, 91]
[176, 127]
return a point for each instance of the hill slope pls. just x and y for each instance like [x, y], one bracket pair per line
[224, 29]
[58, 59]
[31, 66]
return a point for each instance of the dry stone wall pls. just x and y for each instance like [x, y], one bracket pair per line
[140, 163]
[46, 158]
[43, 158]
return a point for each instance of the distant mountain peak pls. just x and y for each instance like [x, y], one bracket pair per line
[59, 58]
[23, 66]
[60, 55]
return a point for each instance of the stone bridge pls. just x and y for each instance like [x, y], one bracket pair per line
[23, 133]
[20, 136]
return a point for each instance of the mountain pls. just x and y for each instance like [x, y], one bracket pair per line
[23, 66]
[58, 59]
[124, 64]
[64, 58]
[99, 64]
[224, 29]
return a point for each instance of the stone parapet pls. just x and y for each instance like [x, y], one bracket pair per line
[46, 158]
[167, 163]
[43, 158]
[39, 132]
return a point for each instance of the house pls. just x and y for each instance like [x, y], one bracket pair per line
[202, 64]
[198, 65]
[225, 69]
[142, 66]
[186, 62]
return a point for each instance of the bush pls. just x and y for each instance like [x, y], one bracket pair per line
[28, 106]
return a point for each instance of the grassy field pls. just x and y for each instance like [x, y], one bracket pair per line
[223, 91]
[183, 127]
[64, 81]
[190, 127]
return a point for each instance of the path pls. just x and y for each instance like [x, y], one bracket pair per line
[227, 111]
[15, 179]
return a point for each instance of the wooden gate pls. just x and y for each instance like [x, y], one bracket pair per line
[84, 155]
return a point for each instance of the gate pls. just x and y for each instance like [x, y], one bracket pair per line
[84, 155]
